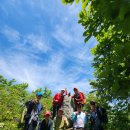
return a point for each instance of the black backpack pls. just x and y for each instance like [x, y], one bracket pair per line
[102, 114]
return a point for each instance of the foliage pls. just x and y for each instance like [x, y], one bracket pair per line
[118, 117]
[108, 21]
[12, 102]
[117, 112]
[13, 97]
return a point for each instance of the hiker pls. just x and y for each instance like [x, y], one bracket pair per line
[79, 118]
[60, 121]
[98, 117]
[57, 101]
[47, 123]
[78, 98]
[33, 109]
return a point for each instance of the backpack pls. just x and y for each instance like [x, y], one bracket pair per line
[102, 114]
[84, 98]
[104, 117]
[30, 105]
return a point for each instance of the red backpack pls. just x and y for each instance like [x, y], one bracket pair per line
[84, 98]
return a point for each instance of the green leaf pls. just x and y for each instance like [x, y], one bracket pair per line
[87, 38]
[77, 1]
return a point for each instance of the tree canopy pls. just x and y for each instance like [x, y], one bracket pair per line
[12, 98]
[108, 21]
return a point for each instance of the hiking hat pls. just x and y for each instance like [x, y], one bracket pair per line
[92, 103]
[39, 94]
[63, 89]
[47, 113]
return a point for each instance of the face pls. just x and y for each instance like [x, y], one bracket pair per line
[75, 91]
[62, 92]
[47, 117]
[38, 98]
[79, 109]
[60, 113]
[92, 107]
[36, 101]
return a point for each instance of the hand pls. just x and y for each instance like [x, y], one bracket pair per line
[65, 122]
[76, 113]
[86, 113]
[75, 99]
[56, 100]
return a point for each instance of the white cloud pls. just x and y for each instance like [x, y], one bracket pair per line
[12, 34]
[24, 66]
[36, 4]
[52, 75]
[38, 42]
[68, 35]
[24, 70]
[63, 37]
[34, 42]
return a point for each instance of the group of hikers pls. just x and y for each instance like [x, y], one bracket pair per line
[59, 120]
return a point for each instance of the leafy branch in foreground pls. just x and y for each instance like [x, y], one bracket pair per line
[108, 22]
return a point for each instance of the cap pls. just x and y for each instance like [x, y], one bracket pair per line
[92, 103]
[40, 94]
[47, 113]
[63, 89]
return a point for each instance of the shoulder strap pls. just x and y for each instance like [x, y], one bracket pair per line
[28, 103]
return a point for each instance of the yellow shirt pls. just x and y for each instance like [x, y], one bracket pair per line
[59, 123]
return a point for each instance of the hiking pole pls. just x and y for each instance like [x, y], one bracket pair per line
[37, 128]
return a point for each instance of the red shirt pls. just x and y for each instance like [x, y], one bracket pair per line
[59, 99]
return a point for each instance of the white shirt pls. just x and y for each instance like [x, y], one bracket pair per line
[79, 120]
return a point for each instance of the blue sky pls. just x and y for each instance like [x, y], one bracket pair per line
[41, 43]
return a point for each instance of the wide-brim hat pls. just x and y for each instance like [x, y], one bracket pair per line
[63, 89]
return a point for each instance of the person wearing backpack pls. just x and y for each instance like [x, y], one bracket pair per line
[78, 98]
[98, 117]
[33, 109]
[58, 101]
